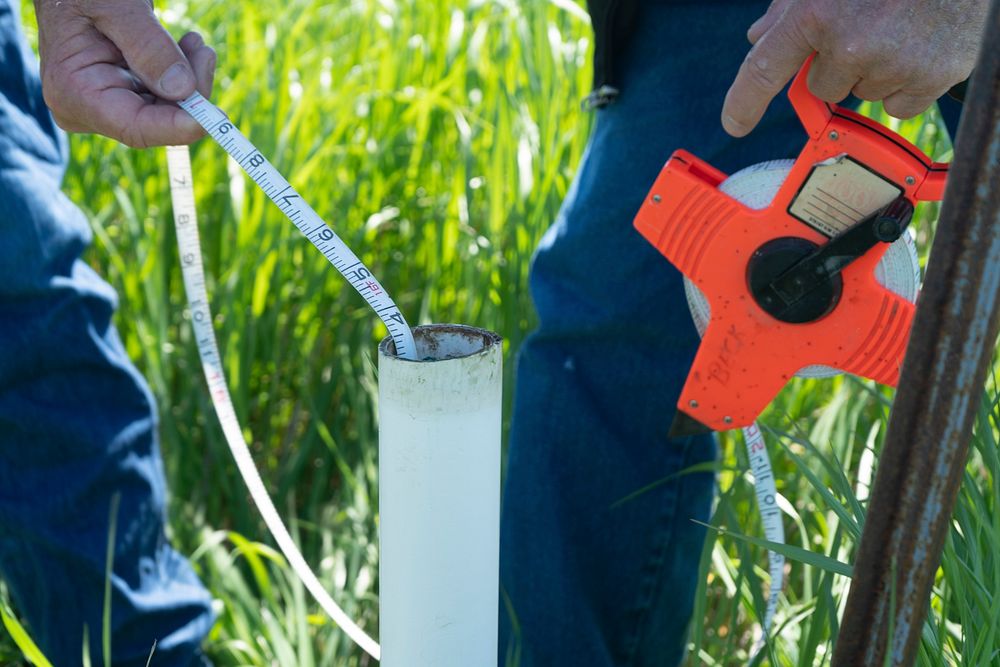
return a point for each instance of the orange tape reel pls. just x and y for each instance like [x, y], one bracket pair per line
[849, 168]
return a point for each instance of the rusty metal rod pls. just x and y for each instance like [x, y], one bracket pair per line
[949, 353]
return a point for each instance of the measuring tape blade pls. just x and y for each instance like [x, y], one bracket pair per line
[295, 208]
[770, 515]
[186, 224]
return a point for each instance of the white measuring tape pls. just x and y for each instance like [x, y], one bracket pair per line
[330, 245]
[304, 217]
[770, 515]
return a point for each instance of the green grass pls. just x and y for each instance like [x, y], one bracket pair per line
[438, 140]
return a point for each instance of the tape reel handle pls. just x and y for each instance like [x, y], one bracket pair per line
[816, 114]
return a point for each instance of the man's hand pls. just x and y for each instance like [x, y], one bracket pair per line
[109, 67]
[906, 53]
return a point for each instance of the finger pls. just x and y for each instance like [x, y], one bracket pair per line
[132, 120]
[903, 104]
[149, 50]
[202, 59]
[771, 63]
[873, 90]
[764, 23]
[100, 76]
[204, 68]
[190, 42]
[164, 124]
[831, 81]
[77, 109]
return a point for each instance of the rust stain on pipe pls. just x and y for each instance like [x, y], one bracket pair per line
[949, 353]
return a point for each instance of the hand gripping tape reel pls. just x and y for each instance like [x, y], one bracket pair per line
[792, 284]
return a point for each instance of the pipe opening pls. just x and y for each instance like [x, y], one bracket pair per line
[440, 342]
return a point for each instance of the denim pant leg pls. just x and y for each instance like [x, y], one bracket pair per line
[592, 575]
[77, 421]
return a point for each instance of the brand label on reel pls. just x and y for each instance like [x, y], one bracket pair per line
[839, 193]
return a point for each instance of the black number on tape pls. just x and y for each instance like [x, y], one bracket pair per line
[359, 274]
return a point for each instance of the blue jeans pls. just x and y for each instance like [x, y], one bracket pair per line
[78, 423]
[590, 580]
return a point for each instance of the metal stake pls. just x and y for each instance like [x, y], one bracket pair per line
[949, 353]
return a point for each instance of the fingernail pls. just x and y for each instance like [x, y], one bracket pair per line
[733, 127]
[177, 80]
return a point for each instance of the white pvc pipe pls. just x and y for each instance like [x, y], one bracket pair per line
[439, 499]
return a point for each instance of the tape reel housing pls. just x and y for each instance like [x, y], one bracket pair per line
[755, 186]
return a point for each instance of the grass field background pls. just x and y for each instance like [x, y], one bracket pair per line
[438, 140]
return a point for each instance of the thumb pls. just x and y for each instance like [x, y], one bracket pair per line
[150, 51]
